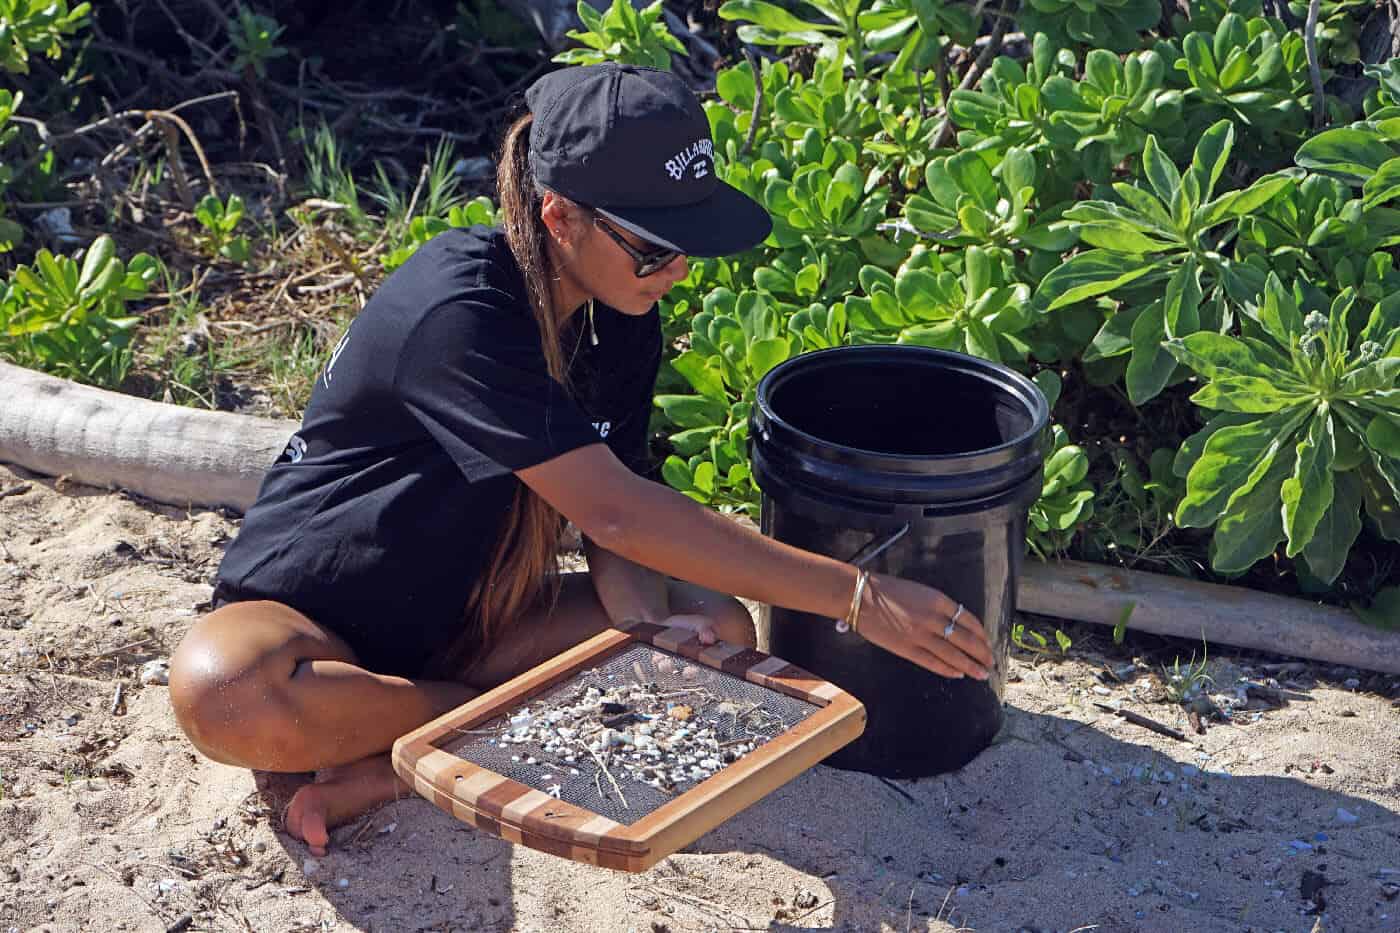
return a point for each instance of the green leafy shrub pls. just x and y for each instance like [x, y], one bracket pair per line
[1254, 72]
[36, 27]
[480, 210]
[933, 304]
[622, 34]
[10, 232]
[1170, 234]
[1110, 24]
[254, 38]
[70, 320]
[1066, 497]
[219, 221]
[1309, 416]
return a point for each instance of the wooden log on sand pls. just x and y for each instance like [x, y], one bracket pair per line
[180, 456]
[1228, 615]
[184, 456]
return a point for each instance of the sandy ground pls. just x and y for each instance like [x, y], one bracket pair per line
[1283, 815]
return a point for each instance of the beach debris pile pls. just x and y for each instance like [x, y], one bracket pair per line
[667, 736]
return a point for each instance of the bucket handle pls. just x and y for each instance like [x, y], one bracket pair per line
[865, 555]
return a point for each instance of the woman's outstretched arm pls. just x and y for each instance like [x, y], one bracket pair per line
[659, 528]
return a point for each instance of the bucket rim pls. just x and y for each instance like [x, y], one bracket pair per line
[1028, 393]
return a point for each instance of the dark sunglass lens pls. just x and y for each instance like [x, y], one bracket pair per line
[655, 263]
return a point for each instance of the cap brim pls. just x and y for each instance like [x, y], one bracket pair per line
[726, 222]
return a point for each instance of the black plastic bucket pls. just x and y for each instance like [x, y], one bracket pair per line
[850, 446]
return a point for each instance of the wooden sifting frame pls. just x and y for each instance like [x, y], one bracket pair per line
[515, 812]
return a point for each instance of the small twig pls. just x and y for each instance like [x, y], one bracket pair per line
[117, 697]
[16, 490]
[757, 100]
[177, 169]
[134, 644]
[612, 780]
[338, 282]
[1138, 719]
[974, 73]
[1310, 45]
[179, 121]
[898, 790]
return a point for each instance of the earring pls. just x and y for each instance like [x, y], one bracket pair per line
[592, 330]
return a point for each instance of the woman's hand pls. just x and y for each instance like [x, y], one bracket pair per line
[909, 619]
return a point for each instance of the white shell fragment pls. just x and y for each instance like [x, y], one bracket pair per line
[155, 673]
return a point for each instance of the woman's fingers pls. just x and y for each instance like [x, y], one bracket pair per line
[927, 659]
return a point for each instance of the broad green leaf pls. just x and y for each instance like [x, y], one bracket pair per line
[692, 411]
[1326, 552]
[1383, 186]
[1182, 310]
[703, 373]
[1307, 494]
[1351, 154]
[765, 354]
[1212, 153]
[1151, 365]
[1114, 338]
[676, 473]
[1383, 435]
[704, 477]
[1091, 273]
[1212, 355]
[772, 22]
[1232, 455]
[691, 442]
[1251, 394]
[1160, 172]
[1252, 525]
[1246, 201]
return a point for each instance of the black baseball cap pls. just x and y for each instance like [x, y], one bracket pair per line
[634, 144]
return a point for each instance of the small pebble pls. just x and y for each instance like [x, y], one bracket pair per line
[1346, 816]
[155, 673]
[343, 883]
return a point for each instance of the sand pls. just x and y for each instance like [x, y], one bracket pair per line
[1284, 818]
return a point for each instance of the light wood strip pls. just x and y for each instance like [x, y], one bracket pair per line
[518, 809]
[717, 654]
[672, 638]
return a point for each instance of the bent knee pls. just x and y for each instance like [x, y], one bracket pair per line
[229, 698]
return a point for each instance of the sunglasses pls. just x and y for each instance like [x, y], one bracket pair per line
[647, 263]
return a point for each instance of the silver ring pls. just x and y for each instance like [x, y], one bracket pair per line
[948, 632]
[960, 611]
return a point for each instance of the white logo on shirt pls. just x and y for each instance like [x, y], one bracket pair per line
[698, 156]
[335, 355]
[296, 449]
[602, 427]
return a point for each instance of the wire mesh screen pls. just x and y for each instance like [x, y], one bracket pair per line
[630, 734]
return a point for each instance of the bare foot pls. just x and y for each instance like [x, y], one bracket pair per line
[338, 796]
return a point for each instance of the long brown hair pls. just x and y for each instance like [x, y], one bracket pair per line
[523, 570]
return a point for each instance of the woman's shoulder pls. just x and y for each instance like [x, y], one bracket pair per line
[472, 261]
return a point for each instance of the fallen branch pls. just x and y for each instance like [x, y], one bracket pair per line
[1230, 615]
[181, 456]
[1138, 719]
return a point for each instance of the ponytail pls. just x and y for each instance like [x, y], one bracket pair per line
[523, 570]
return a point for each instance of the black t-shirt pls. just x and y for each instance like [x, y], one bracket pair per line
[384, 508]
